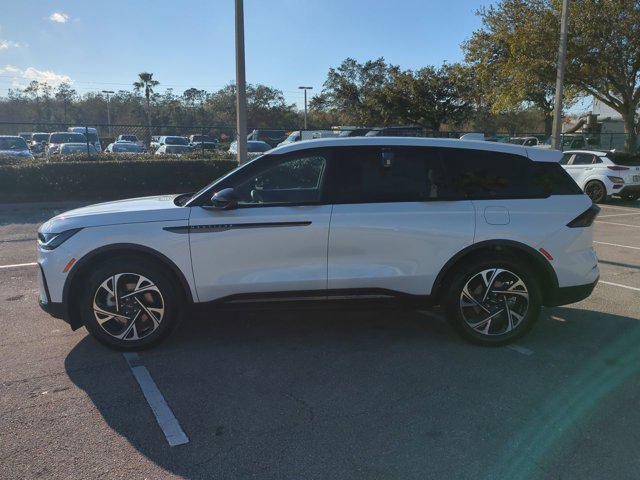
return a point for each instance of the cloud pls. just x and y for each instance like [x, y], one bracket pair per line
[59, 17]
[22, 77]
[7, 44]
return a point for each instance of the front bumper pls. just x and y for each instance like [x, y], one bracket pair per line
[56, 310]
[567, 295]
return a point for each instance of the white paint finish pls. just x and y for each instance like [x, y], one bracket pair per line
[161, 410]
[397, 246]
[616, 245]
[619, 285]
[542, 223]
[260, 259]
[582, 174]
[496, 215]
[20, 265]
[149, 234]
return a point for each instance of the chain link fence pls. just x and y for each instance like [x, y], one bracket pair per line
[54, 141]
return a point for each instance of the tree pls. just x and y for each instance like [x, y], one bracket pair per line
[146, 82]
[604, 56]
[64, 94]
[514, 55]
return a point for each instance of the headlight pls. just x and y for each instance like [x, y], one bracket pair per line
[49, 241]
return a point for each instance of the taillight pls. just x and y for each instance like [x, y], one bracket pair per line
[616, 167]
[586, 218]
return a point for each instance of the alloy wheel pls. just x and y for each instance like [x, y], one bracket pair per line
[595, 191]
[128, 306]
[494, 301]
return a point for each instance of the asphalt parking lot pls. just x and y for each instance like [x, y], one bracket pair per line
[337, 393]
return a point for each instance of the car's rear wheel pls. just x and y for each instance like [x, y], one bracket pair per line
[493, 301]
[130, 304]
[596, 191]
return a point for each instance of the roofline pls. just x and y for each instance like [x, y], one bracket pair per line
[533, 153]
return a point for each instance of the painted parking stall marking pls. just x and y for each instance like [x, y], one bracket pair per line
[161, 410]
[20, 265]
[520, 349]
[616, 245]
[619, 285]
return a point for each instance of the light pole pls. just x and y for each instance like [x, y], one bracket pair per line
[562, 60]
[107, 93]
[305, 104]
[241, 87]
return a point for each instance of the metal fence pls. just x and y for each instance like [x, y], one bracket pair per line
[205, 139]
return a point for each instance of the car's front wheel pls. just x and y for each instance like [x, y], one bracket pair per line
[493, 301]
[129, 304]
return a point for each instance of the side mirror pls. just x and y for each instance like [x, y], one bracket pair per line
[225, 199]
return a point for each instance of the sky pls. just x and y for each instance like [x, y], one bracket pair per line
[103, 45]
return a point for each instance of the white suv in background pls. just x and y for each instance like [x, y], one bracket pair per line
[602, 174]
[491, 231]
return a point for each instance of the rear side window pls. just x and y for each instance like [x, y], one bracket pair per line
[393, 174]
[582, 159]
[480, 174]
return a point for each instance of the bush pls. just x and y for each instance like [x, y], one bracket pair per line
[110, 179]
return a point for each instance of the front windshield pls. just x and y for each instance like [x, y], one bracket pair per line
[13, 143]
[123, 147]
[258, 147]
[129, 138]
[40, 137]
[77, 148]
[176, 141]
[67, 138]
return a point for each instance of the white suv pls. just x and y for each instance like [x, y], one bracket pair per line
[602, 174]
[490, 231]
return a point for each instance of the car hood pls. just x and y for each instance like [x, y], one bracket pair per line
[134, 210]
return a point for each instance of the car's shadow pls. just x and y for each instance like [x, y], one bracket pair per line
[619, 202]
[351, 393]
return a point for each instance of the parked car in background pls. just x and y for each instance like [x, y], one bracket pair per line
[173, 149]
[58, 138]
[491, 232]
[173, 140]
[601, 174]
[203, 142]
[129, 138]
[124, 147]
[155, 143]
[76, 149]
[272, 137]
[38, 144]
[26, 135]
[298, 136]
[524, 141]
[14, 147]
[90, 133]
[394, 132]
[353, 132]
[254, 148]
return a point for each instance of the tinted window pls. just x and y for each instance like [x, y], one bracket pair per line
[566, 158]
[293, 180]
[478, 174]
[13, 143]
[582, 159]
[485, 174]
[176, 141]
[398, 174]
[626, 159]
[67, 138]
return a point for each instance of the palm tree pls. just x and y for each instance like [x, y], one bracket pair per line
[146, 82]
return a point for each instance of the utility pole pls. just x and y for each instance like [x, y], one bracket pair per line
[107, 93]
[556, 138]
[241, 87]
[305, 104]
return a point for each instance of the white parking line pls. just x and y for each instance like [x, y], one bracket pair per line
[619, 224]
[624, 209]
[519, 349]
[18, 265]
[617, 245]
[164, 416]
[618, 215]
[620, 285]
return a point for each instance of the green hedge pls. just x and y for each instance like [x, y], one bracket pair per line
[37, 181]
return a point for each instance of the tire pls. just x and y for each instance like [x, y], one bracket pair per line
[596, 191]
[486, 321]
[155, 309]
[630, 197]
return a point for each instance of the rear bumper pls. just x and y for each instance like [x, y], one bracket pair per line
[629, 189]
[567, 295]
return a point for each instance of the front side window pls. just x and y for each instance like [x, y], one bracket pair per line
[294, 180]
[381, 175]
